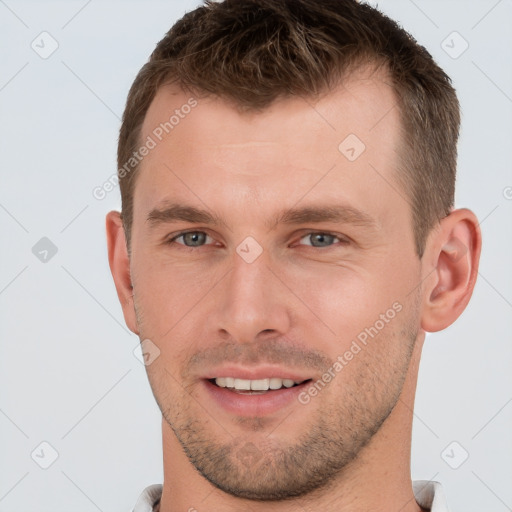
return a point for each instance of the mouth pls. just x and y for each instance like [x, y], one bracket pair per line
[262, 397]
[259, 391]
[255, 386]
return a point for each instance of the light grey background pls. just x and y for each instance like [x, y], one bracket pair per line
[68, 373]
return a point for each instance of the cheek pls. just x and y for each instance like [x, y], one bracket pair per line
[342, 299]
[171, 303]
[369, 312]
[164, 282]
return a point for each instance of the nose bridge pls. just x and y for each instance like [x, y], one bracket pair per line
[251, 302]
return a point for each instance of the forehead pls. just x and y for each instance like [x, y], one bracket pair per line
[360, 103]
[205, 143]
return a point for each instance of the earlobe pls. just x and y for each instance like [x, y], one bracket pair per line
[119, 263]
[454, 256]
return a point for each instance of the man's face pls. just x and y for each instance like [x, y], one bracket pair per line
[303, 257]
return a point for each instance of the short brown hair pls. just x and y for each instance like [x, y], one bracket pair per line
[251, 52]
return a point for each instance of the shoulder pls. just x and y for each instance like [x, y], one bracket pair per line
[149, 498]
[430, 495]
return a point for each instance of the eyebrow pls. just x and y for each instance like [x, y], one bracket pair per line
[340, 214]
[174, 212]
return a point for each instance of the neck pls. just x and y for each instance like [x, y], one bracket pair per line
[377, 480]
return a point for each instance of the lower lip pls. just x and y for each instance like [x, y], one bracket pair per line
[241, 404]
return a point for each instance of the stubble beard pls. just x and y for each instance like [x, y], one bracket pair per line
[265, 469]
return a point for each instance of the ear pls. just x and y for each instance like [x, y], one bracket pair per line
[119, 262]
[453, 253]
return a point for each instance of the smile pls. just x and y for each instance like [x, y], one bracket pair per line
[259, 386]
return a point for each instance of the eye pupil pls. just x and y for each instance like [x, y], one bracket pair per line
[194, 238]
[323, 239]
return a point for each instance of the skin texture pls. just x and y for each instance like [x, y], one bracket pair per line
[296, 307]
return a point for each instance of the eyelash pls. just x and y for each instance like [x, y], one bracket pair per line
[309, 233]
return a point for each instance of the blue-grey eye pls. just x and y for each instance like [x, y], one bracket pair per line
[193, 238]
[320, 239]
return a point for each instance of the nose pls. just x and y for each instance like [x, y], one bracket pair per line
[252, 302]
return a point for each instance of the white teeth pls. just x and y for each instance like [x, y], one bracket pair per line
[275, 383]
[242, 384]
[221, 381]
[254, 385]
[259, 385]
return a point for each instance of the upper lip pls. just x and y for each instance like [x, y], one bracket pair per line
[256, 373]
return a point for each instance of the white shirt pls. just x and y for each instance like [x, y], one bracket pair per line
[429, 495]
